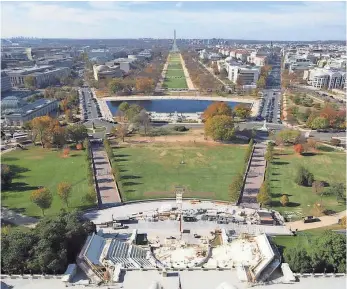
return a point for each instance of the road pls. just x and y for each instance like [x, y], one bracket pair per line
[89, 105]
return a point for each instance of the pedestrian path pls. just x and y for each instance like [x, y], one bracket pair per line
[17, 219]
[254, 178]
[107, 190]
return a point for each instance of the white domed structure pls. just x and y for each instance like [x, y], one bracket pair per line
[101, 68]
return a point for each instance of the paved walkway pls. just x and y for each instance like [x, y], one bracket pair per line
[17, 219]
[186, 74]
[254, 178]
[324, 221]
[106, 185]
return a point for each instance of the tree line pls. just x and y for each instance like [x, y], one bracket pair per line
[48, 248]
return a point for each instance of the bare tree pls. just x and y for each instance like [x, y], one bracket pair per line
[143, 120]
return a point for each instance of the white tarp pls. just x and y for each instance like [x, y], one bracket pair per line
[165, 208]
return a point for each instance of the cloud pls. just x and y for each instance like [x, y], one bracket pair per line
[179, 4]
[124, 20]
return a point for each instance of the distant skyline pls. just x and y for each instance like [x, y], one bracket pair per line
[282, 21]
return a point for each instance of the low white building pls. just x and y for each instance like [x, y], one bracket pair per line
[326, 78]
[105, 72]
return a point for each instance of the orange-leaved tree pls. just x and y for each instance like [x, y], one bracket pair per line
[45, 127]
[217, 108]
[42, 198]
[144, 84]
[299, 148]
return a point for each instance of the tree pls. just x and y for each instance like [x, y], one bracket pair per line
[144, 84]
[220, 128]
[284, 200]
[298, 259]
[304, 177]
[235, 188]
[43, 127]
[263, 197]
[261, 82]
[311, 143]
[124, 106]
[68, 115]
[335, 141]
[299, 148]
[116, 85]
[121, 131]
[30, 82]
[329, 253]
[6, 176]
[217, 108]
[64, 192]
[77, 132]
[288, 136]
[317, 187]
[242, 111]
[66, 152]
[49, 247]
[269, 155]
[42, 198]
[143, 120]
[320, 123]
[132, 112]
[338, 190]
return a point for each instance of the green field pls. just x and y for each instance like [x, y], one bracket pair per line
[325, 166]
[177, 66]
[171, 83]
[303, 238]
[175, 72]
[174, 69]
[152, 171]
[44, 167]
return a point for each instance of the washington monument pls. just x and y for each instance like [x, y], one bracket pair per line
[174, 45]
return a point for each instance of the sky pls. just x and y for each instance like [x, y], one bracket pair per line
[302, 21]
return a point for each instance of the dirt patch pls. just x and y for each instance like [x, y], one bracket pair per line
[163, 153]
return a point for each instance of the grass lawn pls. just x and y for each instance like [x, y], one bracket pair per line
[175, 83]
[175, 65]
[44, 167]
[152, 171]
[174, 72]
[303, 238]
[325, 166]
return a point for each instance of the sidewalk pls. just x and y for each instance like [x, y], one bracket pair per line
[254, 178]
[106, 185]
[324, 221]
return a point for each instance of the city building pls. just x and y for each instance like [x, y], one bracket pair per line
[99, 54]
[5, 82]
[326, 78]
[145, 54]
[56, 62]
[106, 72]
[246, 75]
[43, 75]
[124, 64]
[16, 111]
